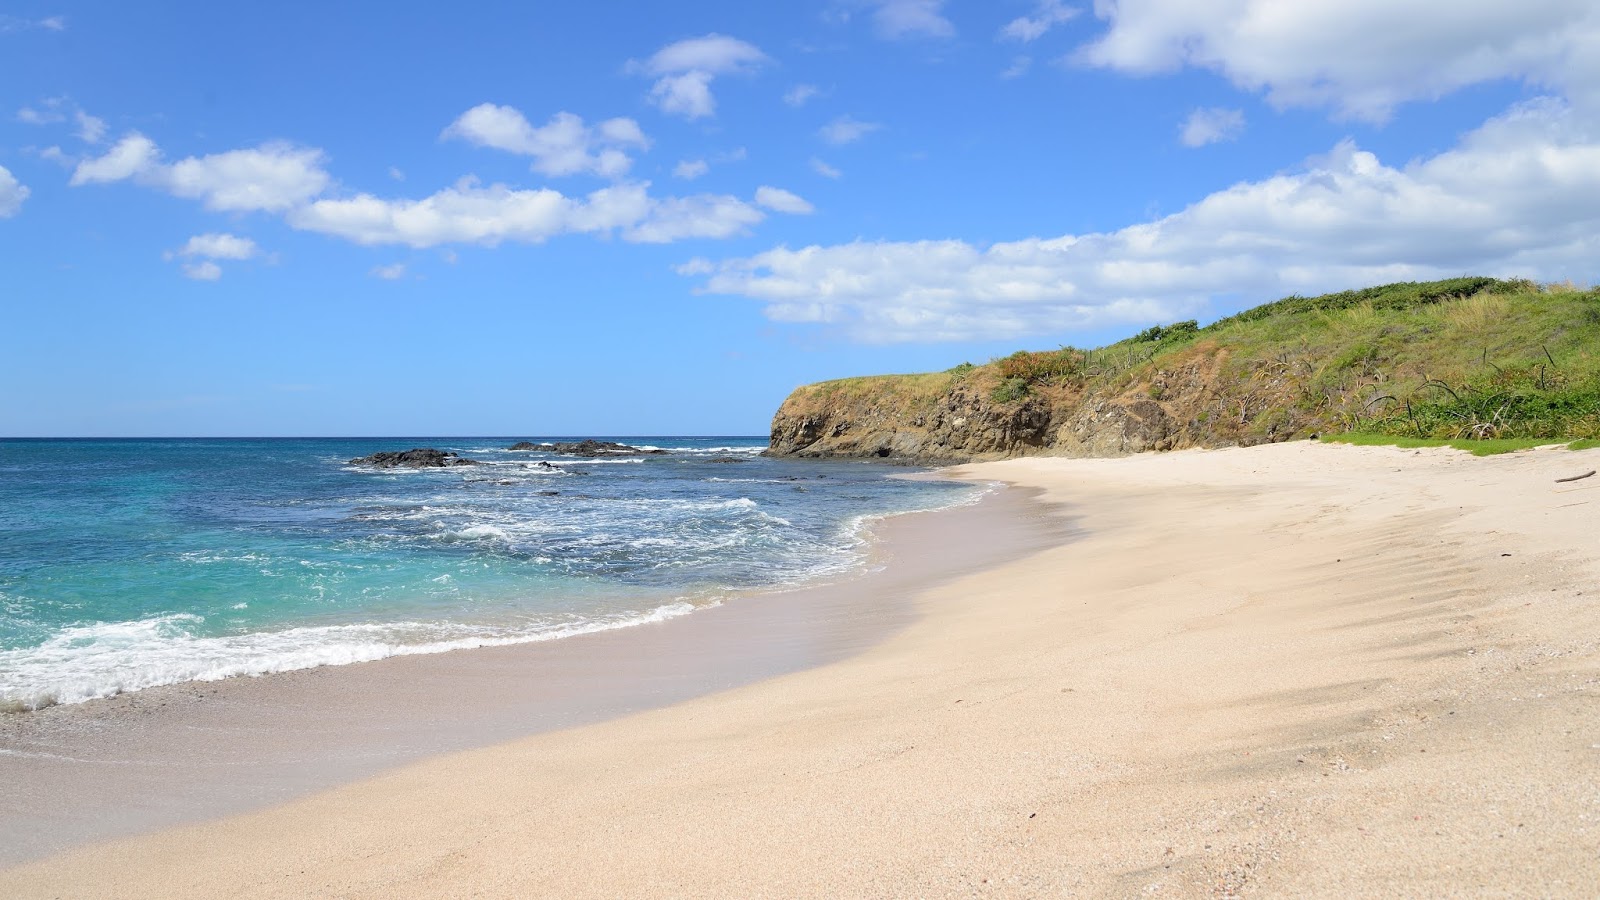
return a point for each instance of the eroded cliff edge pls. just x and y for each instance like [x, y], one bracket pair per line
[1464, 358]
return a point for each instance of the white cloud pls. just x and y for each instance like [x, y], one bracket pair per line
[911, 18]
[218, 246]
[1520, 196]
[15, 23]
[562, 146]
[687, 95]
[800, 94]
[1211, 125]
[130, 156]
[780, 200]
[205, 270]
[846, 130]
[391, 272]
[272, 177]
[468, 213]
[697, 216]
[825, 170]
[1046, 15]
[684, 71]
[1361, 57]
[203, 250]
[12, 193]
[690, 169]
[1018, 68]
[54, 110]
[30, 116]
[396, 173]
[90, 128]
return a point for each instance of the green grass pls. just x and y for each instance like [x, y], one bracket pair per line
[1585, 444]
[1481, 447]
[1484, 364]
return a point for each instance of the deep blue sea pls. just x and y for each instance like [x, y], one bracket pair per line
[126, 564]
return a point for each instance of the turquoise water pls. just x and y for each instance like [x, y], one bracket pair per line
[126, 564]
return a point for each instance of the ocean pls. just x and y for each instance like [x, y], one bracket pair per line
[126, 564]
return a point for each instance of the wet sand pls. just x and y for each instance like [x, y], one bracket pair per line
[1295, 670]
[186, 753]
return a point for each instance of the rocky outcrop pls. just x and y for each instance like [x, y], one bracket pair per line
[588, 448]
[1194, 401]
[415, 458]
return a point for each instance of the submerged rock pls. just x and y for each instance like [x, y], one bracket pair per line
[415, 458]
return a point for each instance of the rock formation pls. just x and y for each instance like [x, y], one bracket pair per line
[415, 458]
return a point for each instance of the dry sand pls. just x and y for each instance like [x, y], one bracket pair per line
[1295, 670]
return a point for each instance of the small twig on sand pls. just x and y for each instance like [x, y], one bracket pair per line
[1576, 477]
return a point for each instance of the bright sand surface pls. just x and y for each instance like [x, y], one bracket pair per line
[1292, 670]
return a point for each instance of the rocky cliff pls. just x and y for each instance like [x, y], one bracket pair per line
[970, 414]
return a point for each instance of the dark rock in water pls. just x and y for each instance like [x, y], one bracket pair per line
[588, 448]
[415, 458]
[725, 459]
[549, 493]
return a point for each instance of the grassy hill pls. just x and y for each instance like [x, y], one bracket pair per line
[1468, 359]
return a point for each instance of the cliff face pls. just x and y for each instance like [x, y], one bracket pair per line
[1196, 399]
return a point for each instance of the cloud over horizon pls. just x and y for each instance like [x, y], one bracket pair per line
[1518, 196]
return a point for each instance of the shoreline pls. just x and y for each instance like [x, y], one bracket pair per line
[300, 731]
[1290, 670]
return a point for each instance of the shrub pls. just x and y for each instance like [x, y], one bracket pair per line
[1010, 391]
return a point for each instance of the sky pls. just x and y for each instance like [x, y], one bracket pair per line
[646, 218]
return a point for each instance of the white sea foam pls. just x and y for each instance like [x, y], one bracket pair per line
[105, 659]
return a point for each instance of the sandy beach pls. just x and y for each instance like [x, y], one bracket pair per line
[1290, 670]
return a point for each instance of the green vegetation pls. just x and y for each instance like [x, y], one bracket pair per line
[1465, 359]
[1488, 447]
[1478, 363]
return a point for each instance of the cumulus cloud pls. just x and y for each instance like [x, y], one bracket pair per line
[1211, 125]
[896, 19]
[690, 169]
[202, 251]
[1360, 58]
[12, 193]
[218, 246]
[470, 213]
[272, 177]
[846, 130]
[1518, 196]
[1047, 14]
[780, 200]
[697, 216]
[562, 146]
[205, 270]
[685, 69]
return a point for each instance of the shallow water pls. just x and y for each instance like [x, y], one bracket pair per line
[126, 564]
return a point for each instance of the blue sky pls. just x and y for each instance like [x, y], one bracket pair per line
[659, 218]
